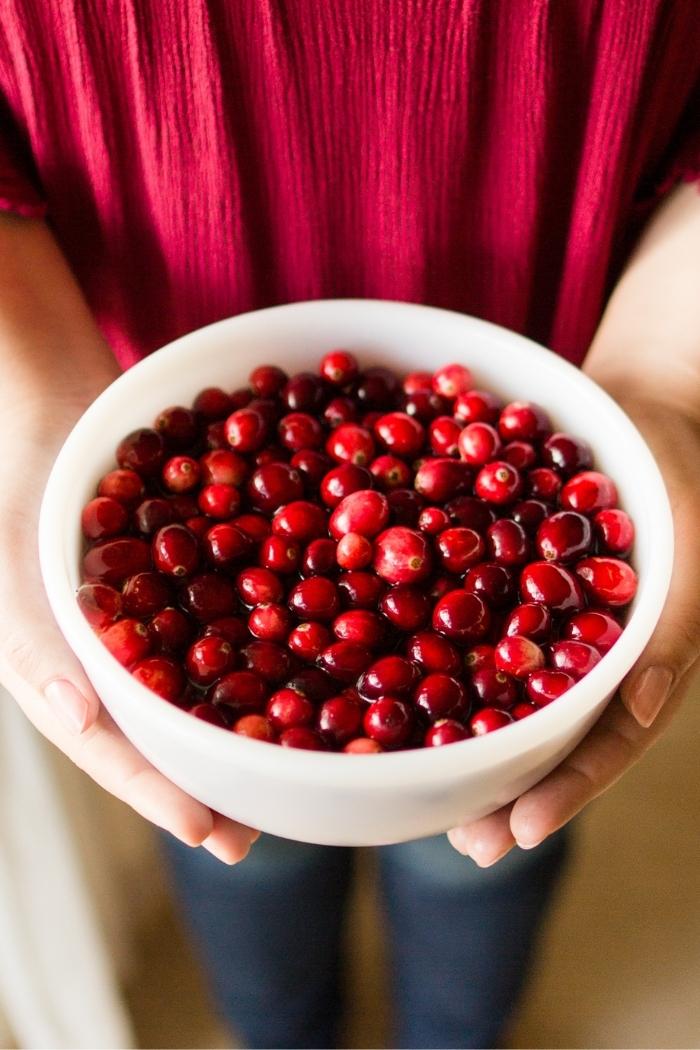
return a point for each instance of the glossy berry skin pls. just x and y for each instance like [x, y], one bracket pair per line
[340, 410]
[365, 512]
[390, 472]
[425, 406]
[300, 520]
[270, 622]
[608, 581]
[399, 433]
[225, 544]
[459, 548]
[304, 392]
[315, 598]
[267, 380]
[113, 561]
[493, 583]
[273, 486]
[388, 676]
[208, 658]
[255, 526]
[125, 486]
[350, 443]
[180, 474]
[441, 479]
[219, 501]
[232, 628]
[405, 506]
[100, 604]
[258, 586]
[565, 536]
[522, 710]
[588, 492]
[520, 454]
[477, 406]
[209, 713]
[339, 367]
[441, 696]
[208, 596]
[314, 683]
[270, 661]
[545, 686]
[518, 656]
[445, 731]
[152, 514]
[241, 692]
[433, 520]
[302, 737]
[489, 719]
[507, 542]
[360, 590]
[567, 454]
[388, 721]
[288, 708]
[452, 380]
[543, 483]
[530, 620]
[345, 661]
[461, 617]
[212, 404]
[552, 585]
[339, 719]
[495, 688]
[161, 675]
[343, 480]
[530, 513]
[479, 443]
[145, 594]
[177, 426]
[256, 727]
[470, 512]
[246, 430]
[312, 466]
[279, 555]
[417, 381]
[443, 435]
[299, 430]
[319, 558]
[128, 641]
[574, 658]
[523, 421]
[614, 531]
[479, 657]
[308, 640]
[402, 555]
[595, 628]
[361, 626]
[103, 518]
[433, 652]
[354, 552]
[170, 630]
[143, 451]
[406, 607]
[498, 483]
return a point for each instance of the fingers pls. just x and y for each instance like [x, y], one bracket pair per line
[487, 840]
[228, 841]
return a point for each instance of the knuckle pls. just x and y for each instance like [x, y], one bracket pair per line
[18, 659]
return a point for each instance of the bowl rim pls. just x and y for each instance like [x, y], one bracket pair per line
[420, 765]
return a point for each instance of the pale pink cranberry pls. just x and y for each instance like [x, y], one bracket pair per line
[257, 727]
[362, 745]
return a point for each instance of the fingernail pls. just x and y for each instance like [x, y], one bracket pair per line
[650, 694]
[69, 705]
[528, 843]
[483, 855]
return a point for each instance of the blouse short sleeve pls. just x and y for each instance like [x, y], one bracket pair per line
[19, 187]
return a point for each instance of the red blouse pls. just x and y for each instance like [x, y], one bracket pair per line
[198, 158]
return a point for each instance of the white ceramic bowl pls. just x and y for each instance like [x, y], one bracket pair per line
[335, 798]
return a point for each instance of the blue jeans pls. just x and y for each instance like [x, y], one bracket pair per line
[459, 937]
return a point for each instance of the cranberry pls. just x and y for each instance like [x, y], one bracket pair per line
[441, 479]
[153, 514]
[100, 604]
[339, 719]
[530, 514]
[417, 381]
[488, 719]
[288, 708]
[362, 745]
[241, 692]
[145, 594]
[342, 481]
[175, 551]
[257, 727]
[208, 597]
[319, 558]
[588, 492]
[219, 501]
[112, 561]
[232, 628]
[103, 517]
[267, 380]
[522, 710]
[180, 474]
[596, 628]
[388, 676]
[531, 620]
[304, 392]
[361, 626]
[302, 737]
[125, 486]
[345, 661]
[615, 531]
[258, 586]
[458, 548]
[339, 367]
[128, 641]
[543, 483]
[452, 380]
[470, 512]
[360, 590]
[608, 581]
[312, 467]
[518, 656]
[143, 451]
[552, 585]
[271, 454]
[215, 435]
[441, 696]
[566, 453]
[406, 607]
[433, 652]
[388, 721]
[350, 443]
[170, 630]
[499, 483]
[314, 683]
[267, 659]
[340, 410]
[279, 555]
[402, 555]
[480, 656]
[254, 526]
[365, 512]
[377, 388]
[565, 536]
[353, 551]
[491, 582]
[443, 434]
[208, 658]
[299, 430]
[225, 544]
[461, 617]
[445, 731]
[274, 485]
[479, 443]
[246, 429]
[424, 406]
[495, 688]
[523, 421]
[477, 406]
[400, 433]
[433, 520]
[545, 686]
[270, 622]
[405, 506]
[507, 542]
[390, 472]
[212, 404]
[161, 676]
[308, 640]
[300, 520]
[520, 454]
[177, 426]
[209, 713]
[184, 506]
[315, 598]
[574, 658]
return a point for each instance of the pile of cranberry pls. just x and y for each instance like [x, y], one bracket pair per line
[346, 562]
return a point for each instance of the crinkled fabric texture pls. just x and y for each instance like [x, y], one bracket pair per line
[204, 158]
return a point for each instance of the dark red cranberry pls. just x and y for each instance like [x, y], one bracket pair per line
[362, 745]
[343, 480]
[209, 658]
[128, 641]
[215, 435]
[339, 719]
[531, 620]
[445, 731]
[142, 450]
[406, 607]
[461, 617]
[170, 630]
[161, 676]
[308, 640]
[270, 622]
[153, 514]
[225, 544]
[254, 526]
[360, 590]
[424, 406]
[492, 582]
[267, 659]
[498, 483]
[219, 501]
[552, 585]
[354, 552]
[595, 628]
[180, 474]
[607, 581]
[402, 555]
[145, 594]
[314, 683]
[103, 517]
[405, 506]
[441, 696]
[589, 492]
[112, 561]
[241, 692]
[232, 628]
[315, 598]
[400, 433]
[319, 558]
[520, 454]
[209, 713]
[267, 380]
[388, 721]
[299, 430]
[126, 486]
[530, 513]
[175, 551]
[271, 454]
[303, 738]
[178, 426]
[470, 512]
[480, 656]
[256, 727]
[477, 406]
[258, 586]
[390, 472]
[304, 392]
[543, 483]
[567, 454]
[523, 421]
[495, 688]
[288, 708]
[388, 676]
[545, 686]
[345, 661]
[212, 404]
[350, 443]
[614, 531]
[488, 719]
[208, 596]
[479, 443]
[246, 429]
[565, 536]
[452, 380]
[458, 548]
[361, 626]
[340, 410]
[312, 466]
[507, 542]
[274, 485]
[441, 479]
[443, 434]
[100, 604]
[365, 512]
[573, 658]
[184, 506]
[377, 388]
[518, 656]
[433, 652]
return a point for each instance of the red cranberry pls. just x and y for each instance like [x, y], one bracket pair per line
[315, 598]
[314, 683]
[390, 472]
[287, 708]
[339, 367]
[405, 506]
[208, 658]
[518, 656]
[125, 486]
[443, 434]
[246, 429]
[523, 421]
[522, 710]
[180, 474]
[143, 451]
[452, 380]
[300, 520]
[343, 480]
[312, 467]
[545, 686]
[520, 454]
[308, 640]
[170, 630]
[400, 434]
[495, 688]
[567, 454]
[254, 526]
[433, 520]
[377, 388]
[491, 582]
[350, 443]
[175, 551]
[424, 406]
[470, 512]
[212, 404]
[100, 604]
[461, 617]
[232, 628]
[225, 544]
[480, 656]
[445, 731]
[488, 719]
[145, 594]
[209, 713]
[530, 514]
[304, 392]
[402, 555]
[219, 501]
[256, 727]
[608, 581]
[499, 483]
[241, 692]
[408, 608]
[103, 517]
[339, 719]
[441, 696]
[458, 548]
[574, 658]
[208, 596]
[589, 492]
[340, 410]
[267, 380]
[270, 622]
[595, 628]
[258, 586]
[477, 406]
[531, 620]
[345, 661]
[353, 551]
[362, 745]
[319, 558]
[417, 381]
[564, 537]
[360, 590]
[271, 454]
[360, 626]
[433, 652]
[153, 514]
[184, 506]
[615, 531]
[299, 430]
[479, 443]
[552, 585]
[279, 555]
[441, 479]
[365, 512]
[215, 435]
[543, 483]
[177, 426]
[388, 676]
[128, 641]
[507, 542]
[388, 721]
[112, 561]
[272, 662]
[274, 485]
[161, 676]
[302, 737]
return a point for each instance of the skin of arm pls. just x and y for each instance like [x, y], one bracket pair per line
[646, 354]
[54, 363]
